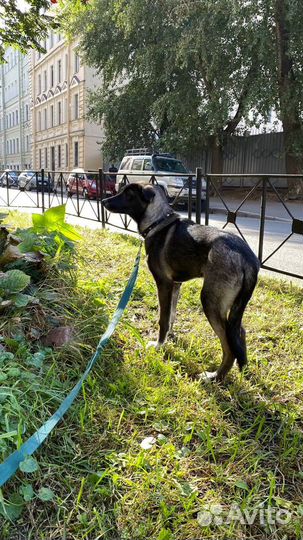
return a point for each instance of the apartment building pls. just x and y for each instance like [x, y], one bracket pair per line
[15, 113]
[62, 137]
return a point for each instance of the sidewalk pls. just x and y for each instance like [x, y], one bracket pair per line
[251, 208]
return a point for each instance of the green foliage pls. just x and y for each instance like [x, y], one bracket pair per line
[182, 75]
[29, 465]
[174, 73]
[24, 28]
[13, 281]
[53, 221]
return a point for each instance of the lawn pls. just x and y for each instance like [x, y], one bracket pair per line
[217, 451]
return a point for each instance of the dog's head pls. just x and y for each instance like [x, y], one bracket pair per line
[132, 200]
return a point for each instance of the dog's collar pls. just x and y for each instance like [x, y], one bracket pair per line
[161, 223]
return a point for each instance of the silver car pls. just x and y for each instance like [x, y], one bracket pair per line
[169, 173]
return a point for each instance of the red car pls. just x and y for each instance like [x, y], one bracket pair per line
[84, 183]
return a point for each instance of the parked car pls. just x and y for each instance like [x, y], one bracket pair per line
[29, 180]
[84, 183]
[172, 178]
[10, 178]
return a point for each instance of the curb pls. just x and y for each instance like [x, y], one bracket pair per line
[241, 213]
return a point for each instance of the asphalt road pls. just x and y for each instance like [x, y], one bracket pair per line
[288, 258]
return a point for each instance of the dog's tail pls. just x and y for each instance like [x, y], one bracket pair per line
[235, 333]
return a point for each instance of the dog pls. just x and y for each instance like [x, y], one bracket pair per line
[179, 250]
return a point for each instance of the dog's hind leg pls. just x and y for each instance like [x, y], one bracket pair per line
[216, 307]
[165, 295]
[174, 301]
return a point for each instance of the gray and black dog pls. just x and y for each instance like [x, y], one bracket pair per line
[179, 250]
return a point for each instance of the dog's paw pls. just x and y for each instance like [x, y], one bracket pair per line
[209, 376]
[154, 344]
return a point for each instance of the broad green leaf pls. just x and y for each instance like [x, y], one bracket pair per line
[27, 492]
[14, 281]
[45, 494]
[29, 465]
[70, 232]
[38, 221]
[13, 508]
[22, 300]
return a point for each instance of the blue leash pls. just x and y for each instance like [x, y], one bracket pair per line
[11, 464]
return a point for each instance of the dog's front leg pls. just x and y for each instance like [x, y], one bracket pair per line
[165, 294]
[175, 297]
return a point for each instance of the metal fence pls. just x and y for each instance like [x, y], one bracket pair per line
[259, 214]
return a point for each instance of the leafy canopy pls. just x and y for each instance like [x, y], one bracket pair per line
[25, 25]
[175, 73]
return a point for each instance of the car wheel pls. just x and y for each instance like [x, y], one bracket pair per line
[85, 193]
[68, 193]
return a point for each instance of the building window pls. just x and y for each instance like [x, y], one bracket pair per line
[14, 146]
[17, 117]
[13, 118]
[59, 70]
[66, 155]
[39, 121]
[66, 66]
[39, 84]
[26, 113]
[52, 80]
[45, 158]
[59, 112]
[27, 143]
[51, 40]
[45, 80]
[45, 118]
[17, 142]
[76, 62]
[76, 154]
[52, 116]
[59, 155]
[53, 164]
[76, 106]
[40, 158]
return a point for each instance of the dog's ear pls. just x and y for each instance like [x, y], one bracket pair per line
[148, 193]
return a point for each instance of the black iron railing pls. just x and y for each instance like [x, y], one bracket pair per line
[279, 247]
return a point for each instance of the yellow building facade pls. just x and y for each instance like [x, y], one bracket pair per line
[62, 138]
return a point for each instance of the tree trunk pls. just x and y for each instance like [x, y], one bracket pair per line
[288, 95]
[216, 149]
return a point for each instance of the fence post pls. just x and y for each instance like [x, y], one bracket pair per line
[102, 191]
[262, 218]
[207, 178]
[42, 188]
[7, 187]
[198, 194]
[190, 196]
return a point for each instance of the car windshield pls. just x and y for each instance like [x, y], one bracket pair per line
[169, 165]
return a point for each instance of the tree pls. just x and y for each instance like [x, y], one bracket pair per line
[24, 28]
[288, 25]
[177, 74]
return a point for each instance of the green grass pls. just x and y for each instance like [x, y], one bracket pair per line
[234, 444]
